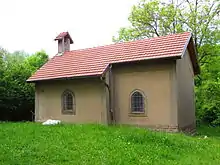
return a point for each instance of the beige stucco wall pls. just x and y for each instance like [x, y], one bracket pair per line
[89, 96]
[155, 80]
[168, 87]
[185, 85]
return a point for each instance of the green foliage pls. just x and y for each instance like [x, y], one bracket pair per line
[16, 95]
[37, 59]
[208, 86]
[156, 18]
[67, 144]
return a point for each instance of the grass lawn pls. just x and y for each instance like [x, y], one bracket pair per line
[66, 144]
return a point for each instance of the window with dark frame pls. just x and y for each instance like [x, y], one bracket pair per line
[68, 102]
[137, 102]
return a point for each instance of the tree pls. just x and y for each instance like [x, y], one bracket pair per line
[156, 18]
[16, 95]
[208, 86]
[37, 59]
[3, 53]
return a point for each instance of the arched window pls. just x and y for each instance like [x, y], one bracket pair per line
[68, 102]
[137, 102]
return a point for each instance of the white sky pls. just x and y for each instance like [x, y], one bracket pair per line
[32, 25]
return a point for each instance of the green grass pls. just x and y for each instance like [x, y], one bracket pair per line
[65, 144]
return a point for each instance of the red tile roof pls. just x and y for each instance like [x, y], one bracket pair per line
[94, 61]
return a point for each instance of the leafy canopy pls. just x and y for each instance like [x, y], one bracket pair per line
[157, 18]
[16, 95]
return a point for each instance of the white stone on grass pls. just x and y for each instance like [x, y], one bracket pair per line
[51, 122]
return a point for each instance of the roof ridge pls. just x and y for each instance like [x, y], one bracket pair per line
[125, 42]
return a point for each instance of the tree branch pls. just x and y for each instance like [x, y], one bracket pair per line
[209, 20]
[190, 6]
[154, 29]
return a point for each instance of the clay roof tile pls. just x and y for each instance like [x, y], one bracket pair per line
[94, 61]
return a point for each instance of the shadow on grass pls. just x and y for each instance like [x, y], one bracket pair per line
[210, 131]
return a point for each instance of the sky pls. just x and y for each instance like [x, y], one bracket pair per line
[32, 25]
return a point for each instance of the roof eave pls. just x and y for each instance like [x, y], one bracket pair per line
[151, 58]
[62, 78]
[105, 70]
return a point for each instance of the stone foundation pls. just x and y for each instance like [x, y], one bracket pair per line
[166, 128]
[191, 129]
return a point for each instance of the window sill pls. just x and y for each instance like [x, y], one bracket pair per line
[68, 113]
[137, 115]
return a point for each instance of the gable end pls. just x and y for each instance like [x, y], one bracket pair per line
[193, 55]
